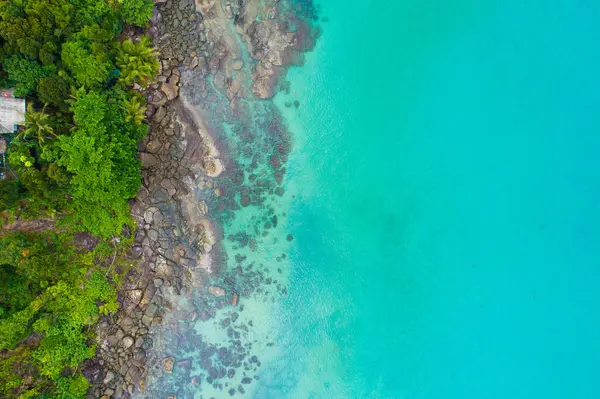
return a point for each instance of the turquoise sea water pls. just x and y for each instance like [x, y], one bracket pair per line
[446, 204]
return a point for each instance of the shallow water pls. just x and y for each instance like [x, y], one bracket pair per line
[443, 191]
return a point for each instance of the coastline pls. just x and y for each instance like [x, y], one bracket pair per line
[192, 189]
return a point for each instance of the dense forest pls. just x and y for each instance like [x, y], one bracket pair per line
[73, 168]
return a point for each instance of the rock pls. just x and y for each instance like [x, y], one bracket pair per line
[153, 234]
[139, 342]
[160, 114]
[237, 64]
[153, 146]
[174, 79]
[168, 364]
[134, 296]
[127, 342]
[234, 299]
[157, 282]
[149, 215]
[112, 340]
[136, 252]
[170, 90]
[148, 160]
[216, 291]
[169, 186]
[109, 377]
[85, 241]
[147, 320]
[127, 323]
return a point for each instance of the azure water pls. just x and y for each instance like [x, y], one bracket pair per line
[444, 189]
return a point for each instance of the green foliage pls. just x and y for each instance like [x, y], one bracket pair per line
[100, 155]
[53, 90]
[60, 311]
[72, 388]
[37, 126]
[135, 110]
[136, 12]
[89, 65]
[137, 61]
[76, 163]
[12, 193]
[24, 73]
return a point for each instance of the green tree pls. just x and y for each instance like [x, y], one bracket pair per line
[136, 12]
[25, 73]
[37, 125]
[54, 90]
[137, 61]
[135, 110]
[89, 68]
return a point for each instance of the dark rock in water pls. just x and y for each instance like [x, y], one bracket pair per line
[290, 237]
[232, 391]
[246, 380]
[241, 389]
[296, 103]
[231, 373]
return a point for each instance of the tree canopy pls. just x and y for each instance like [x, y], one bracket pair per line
[76, 162]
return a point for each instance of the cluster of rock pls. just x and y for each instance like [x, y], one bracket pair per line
[175, 238]
[167, 246]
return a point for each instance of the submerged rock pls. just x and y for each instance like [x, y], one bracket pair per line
[168, 364]
[216, 291]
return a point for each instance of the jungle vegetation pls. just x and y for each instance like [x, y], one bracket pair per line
[76, 167]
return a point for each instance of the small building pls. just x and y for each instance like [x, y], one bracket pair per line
[12, 112]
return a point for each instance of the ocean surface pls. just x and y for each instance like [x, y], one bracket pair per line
[443, 193]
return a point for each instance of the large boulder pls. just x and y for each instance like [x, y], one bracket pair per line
[170, 90]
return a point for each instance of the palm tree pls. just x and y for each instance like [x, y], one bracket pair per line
[135, 110]
[37, 124]
[137, 61]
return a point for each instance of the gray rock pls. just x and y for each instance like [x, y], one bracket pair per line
[127, 342]
[153, 234]
[136, 251]
[148, 160]
[85, 241]
[216, 291]
[135, 296]
[170, 90]
[237, 64]
[109, 377]
[160, 114]
[153, 146]
[147, 320]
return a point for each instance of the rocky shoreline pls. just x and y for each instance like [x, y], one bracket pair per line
[217, 57]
